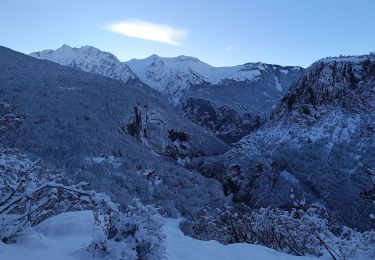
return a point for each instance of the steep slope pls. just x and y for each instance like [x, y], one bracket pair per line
[228, 101]
[88, 59]
[233, 108]
[319, 144]
[124, 138]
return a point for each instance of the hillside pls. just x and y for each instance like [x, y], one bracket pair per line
[318, 144]
[123, 138]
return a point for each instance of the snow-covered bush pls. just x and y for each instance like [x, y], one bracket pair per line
[30, 194]
[298, 231]
[132, 234]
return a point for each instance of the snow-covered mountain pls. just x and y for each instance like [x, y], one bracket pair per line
[170, 76]
[88, 59]
[228, 101]
[319, 144]
[124, 138]
[175, 76]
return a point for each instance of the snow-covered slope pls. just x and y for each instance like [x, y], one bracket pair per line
[319, 142]
[181, 247]
[66, 237]
[119, 136]
[63, 237]
[174, 76]
[88, 59]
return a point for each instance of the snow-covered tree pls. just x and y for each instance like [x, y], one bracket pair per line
[132, 234]
[30, 194]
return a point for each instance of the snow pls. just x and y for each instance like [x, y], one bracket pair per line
[88, 59]
[277, 83]
[335, 125]
[66, 237]
[172, 76]
[284, 71]
[181, 247]
[65, 55]
[352, 59]
[110, 159]
[158, 72]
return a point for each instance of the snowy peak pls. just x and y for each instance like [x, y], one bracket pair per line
[89, 59]
[174, 76]
[188, 58]
[65, 55]
[171, 76]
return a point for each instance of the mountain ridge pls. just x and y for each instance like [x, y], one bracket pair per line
[182, 64]
[198, 90]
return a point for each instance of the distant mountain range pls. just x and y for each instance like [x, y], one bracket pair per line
[228, 101]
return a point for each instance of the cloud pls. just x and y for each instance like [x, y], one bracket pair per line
[148, 31]
[229, 48]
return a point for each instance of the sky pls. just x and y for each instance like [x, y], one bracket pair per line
[219, 32]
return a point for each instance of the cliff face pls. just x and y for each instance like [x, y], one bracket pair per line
[347, 83]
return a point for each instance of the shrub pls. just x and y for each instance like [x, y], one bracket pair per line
[30, 195]
[298, 231]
